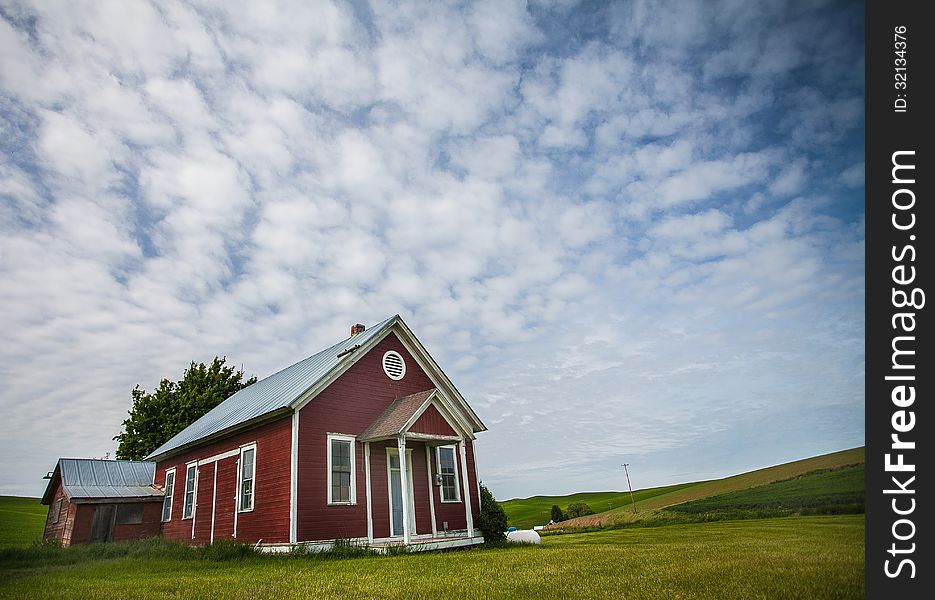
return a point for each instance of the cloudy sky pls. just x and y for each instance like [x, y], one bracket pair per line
[629, 232]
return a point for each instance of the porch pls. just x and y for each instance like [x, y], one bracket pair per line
[419, 543]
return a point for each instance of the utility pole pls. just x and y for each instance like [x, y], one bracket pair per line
[627, 471]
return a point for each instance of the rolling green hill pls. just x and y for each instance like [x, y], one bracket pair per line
[21, 521]
[535, 511]
[523, 513]
[830, 491]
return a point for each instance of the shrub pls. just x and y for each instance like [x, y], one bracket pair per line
[579, 509]
[491, 520]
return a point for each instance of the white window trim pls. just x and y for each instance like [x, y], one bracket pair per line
[438, 469]
[402, 361]
[240, 480]
[191, 465]
[341, 437]
[57, 510]
[171, 496]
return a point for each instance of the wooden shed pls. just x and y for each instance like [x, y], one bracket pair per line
[92, 501]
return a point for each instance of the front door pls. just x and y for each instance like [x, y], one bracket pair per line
[396, 492]
[102, 525]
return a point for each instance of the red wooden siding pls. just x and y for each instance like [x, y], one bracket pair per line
[420, 488]
[81, 523]
[150, 526]
[57, 531]
[348, 406]
[472, 479]
[269, 519]
[432, 421]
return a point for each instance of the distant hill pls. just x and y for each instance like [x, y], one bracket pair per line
[614, 507]
[21, 521]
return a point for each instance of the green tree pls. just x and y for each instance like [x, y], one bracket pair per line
[156, 417]
[557, 514]
[492, 519]
[579, 509]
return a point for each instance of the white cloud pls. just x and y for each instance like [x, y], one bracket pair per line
[614, 227]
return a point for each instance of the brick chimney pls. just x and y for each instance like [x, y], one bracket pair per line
[358, 328]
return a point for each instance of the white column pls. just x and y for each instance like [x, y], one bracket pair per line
[466, 487]
[294, 481]
[404, 486]
[214, 498]
[369, 501]
[431, 480]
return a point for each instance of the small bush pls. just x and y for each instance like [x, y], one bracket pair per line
[579, 509]
[492, 519]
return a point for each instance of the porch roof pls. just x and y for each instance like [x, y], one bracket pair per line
[397, 416]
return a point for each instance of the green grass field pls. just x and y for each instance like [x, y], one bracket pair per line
[796, 557]
[21, 521]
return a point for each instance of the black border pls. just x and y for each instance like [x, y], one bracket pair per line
[889, 131]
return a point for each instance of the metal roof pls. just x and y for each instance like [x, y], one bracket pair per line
[94, 478]
[274, 393]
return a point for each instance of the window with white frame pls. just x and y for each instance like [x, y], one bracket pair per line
[188, 507]
[247, 477]
[447, 468]
[342, 485]
[170, 491]
[56, 510]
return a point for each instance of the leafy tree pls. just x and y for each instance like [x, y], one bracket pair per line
[156, 417]
[492, 519]
[579, 509]
[557, 514]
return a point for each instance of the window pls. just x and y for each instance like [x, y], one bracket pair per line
[188, 508]
[170, 490]
[56, 511]
[129, 514]
[342, 485]
[393, 365]
[449, 473]
[247, 476]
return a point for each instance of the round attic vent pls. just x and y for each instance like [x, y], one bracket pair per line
[393, 365]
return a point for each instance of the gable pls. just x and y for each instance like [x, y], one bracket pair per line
[432, 422]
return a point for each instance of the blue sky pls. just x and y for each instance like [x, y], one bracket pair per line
[629, 232]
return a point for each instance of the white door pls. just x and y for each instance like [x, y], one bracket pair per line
[396, 492]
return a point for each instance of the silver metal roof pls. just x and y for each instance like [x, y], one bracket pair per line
[276, 392]
[95, 478]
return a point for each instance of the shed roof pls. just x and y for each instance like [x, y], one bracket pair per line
[392, 421]
[92, 479]
[274, 393]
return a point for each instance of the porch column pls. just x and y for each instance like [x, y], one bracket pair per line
[431, 480]
[404, 486]
[466, 487]
[369, 501]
